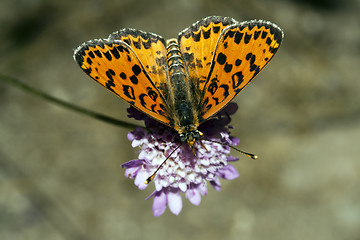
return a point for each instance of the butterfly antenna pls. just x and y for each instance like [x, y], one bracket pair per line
[250, 155]
[149, 179]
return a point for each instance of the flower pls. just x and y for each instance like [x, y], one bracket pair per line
[183, 172]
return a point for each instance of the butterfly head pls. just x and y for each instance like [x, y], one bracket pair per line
[190, 137]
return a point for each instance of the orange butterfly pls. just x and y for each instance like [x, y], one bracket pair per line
[185, 81]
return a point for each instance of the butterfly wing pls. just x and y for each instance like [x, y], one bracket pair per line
[115, 65]
[197, 44]
[241, 53]
[150, 49]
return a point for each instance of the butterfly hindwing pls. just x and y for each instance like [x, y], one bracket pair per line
[197, 45]
[241, 53]
[113, 64]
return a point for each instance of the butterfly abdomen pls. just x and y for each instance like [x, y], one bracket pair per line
[181, 97]
[175, 60]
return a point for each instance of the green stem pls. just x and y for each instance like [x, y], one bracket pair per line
[64, 104]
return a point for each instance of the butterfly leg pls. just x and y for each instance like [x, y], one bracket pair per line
[203, 146]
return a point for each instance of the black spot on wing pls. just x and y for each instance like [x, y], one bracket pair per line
[273, 50]
[109, 85]
[123, 75]
[256, 34]
[188, 57]
[228, 67]
[146, 44]
[87, 70]
[98, 53]
[122, 49]
[216, 29]
[137, 44]
[237, 78]
[226, 90]
[197, 37]
[127, 41]
[255, 68]
[134, 79]
[91, 54]
[209, 106]
[152, 94]
[142, 99]
[161, 61]
[129, 92]
[268, 41]
[229, 33]
[247, 38]
[115, 52]
[88, 60]
[221, 58]
[263, 35]
[107, 54]
[207, 34]
[110, 73]
[136, 69]
[216, 100]
[213, 86]
[238, 37]
[250, 57]
[198, 63]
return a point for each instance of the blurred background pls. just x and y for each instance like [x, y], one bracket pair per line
[60, 174]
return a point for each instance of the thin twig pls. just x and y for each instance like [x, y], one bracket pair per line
[64, 104]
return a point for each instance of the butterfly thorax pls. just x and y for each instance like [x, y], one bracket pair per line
[182, 96]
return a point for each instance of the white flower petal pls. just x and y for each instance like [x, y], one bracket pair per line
[140, 179]
[183, 186]
[194, 196]
[174, 202]
[159, 204]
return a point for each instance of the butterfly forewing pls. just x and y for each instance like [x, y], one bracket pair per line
[113, 64]
[197, 44]
[241, 53]
[151, 51]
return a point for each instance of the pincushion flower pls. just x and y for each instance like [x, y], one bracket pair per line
[183, 172]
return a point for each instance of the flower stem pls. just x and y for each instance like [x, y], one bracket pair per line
[16, 83]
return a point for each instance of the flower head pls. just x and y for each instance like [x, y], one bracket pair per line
[183, 172]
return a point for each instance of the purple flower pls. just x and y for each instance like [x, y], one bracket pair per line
[182, 172]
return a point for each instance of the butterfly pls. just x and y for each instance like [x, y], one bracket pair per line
[184, 81]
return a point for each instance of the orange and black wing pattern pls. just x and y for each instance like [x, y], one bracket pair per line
[150, 49]
[114, 64]
[242, 51]
[220, 57]
[197, 45]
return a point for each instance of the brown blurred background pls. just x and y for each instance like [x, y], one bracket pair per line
[60, 174]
